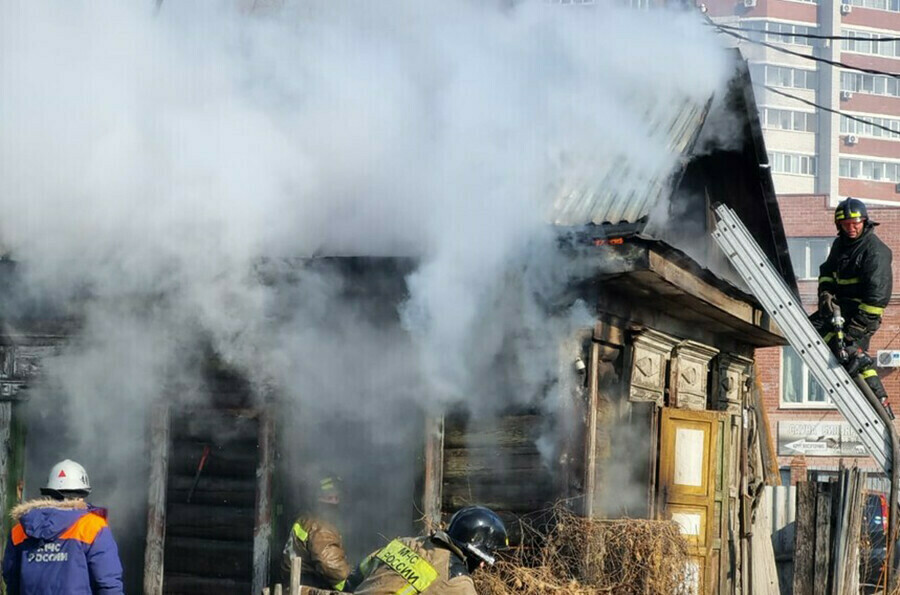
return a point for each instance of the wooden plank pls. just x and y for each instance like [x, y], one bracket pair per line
[179, 584]
[227, 460]
[434, 473]
[822, 564]
[296, 569]
[805, 538]
[460, 462]
[154, 551]
[850, 562]
[6, 449]
[509, 430]
[591, 448]
[262, 530]
[218, 491]
[209, 557]
[212, 522]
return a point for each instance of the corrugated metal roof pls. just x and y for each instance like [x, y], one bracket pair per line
[617, 191]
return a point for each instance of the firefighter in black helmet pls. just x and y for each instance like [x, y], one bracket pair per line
[857, 276]
[439, 564]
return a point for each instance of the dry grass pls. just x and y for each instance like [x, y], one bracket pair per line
[578, 556]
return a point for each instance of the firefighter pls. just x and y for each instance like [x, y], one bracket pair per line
[439, 564]
[857, 276]
[317, 541]
[61, 544]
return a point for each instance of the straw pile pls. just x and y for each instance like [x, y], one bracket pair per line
[579, 556]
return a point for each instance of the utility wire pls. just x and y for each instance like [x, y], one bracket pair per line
[804, 56]
[806, 35]
[822, 107]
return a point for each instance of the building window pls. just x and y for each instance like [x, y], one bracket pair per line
[807, 254]
[794, 78]
[871, 127]
[877, 171]
[891, 5]
[777, 32]
[858, 82]
[792, 163]
[782, 119]
[862, 44]
[798, 387]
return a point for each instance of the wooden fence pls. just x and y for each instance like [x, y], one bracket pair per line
[295, 588]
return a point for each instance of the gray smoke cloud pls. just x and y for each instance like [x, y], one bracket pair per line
[152, 164]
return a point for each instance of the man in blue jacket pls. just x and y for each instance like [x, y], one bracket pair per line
[61, 544]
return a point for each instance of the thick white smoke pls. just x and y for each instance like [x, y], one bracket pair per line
[153, 160]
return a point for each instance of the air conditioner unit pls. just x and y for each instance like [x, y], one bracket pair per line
[888, 358]
[846, 8]
[749, 3]
[851, 139]
[845, 95]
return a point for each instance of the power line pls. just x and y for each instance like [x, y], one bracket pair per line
[804, 56]
[806, 35]
[822, 107]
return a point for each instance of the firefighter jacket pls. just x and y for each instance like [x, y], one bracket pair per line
[858, 273]
[318, 544]
[61, 547]
[409, 565]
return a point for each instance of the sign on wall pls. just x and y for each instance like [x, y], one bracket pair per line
[819, 439]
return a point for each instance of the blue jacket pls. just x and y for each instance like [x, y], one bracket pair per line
[61, 547]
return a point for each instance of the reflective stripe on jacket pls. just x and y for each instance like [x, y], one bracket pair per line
[61, 547]
[320, 548]
[858, 273]
[441, 555]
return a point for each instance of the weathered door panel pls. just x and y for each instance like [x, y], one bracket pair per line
[687, 482]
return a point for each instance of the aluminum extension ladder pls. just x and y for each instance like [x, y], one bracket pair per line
[783, 306]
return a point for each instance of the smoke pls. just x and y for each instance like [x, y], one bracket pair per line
[156, 168]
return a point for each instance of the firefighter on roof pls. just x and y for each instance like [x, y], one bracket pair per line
[61, 545]
[857, 276]
[439, 564]
[317, 541]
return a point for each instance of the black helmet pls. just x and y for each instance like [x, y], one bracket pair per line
[478, 530]
[850, 209]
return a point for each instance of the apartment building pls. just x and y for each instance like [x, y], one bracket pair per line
[830, 109]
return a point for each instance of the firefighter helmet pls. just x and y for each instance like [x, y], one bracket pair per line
[478, 530]
[67, 478]
[850, 209]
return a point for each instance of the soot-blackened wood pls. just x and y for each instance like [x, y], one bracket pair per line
[805, 538]
[216, 491]
[822, 565]
[211, 522]
[186, 584]
[209, 558]
[509, 430]
[435, 462]
[262, 528]
[156, 501]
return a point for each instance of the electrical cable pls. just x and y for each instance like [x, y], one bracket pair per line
[822, 107]
[805, 56]
[807, 35]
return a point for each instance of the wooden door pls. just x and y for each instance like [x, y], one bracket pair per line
[687, 478]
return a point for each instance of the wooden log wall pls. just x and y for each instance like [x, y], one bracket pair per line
[498, 466]
[826, 553]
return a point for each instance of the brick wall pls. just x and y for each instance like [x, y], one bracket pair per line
[811, 216]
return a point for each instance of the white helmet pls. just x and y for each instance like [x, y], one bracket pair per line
[67, 476]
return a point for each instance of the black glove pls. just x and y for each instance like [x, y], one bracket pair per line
[825, 299]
